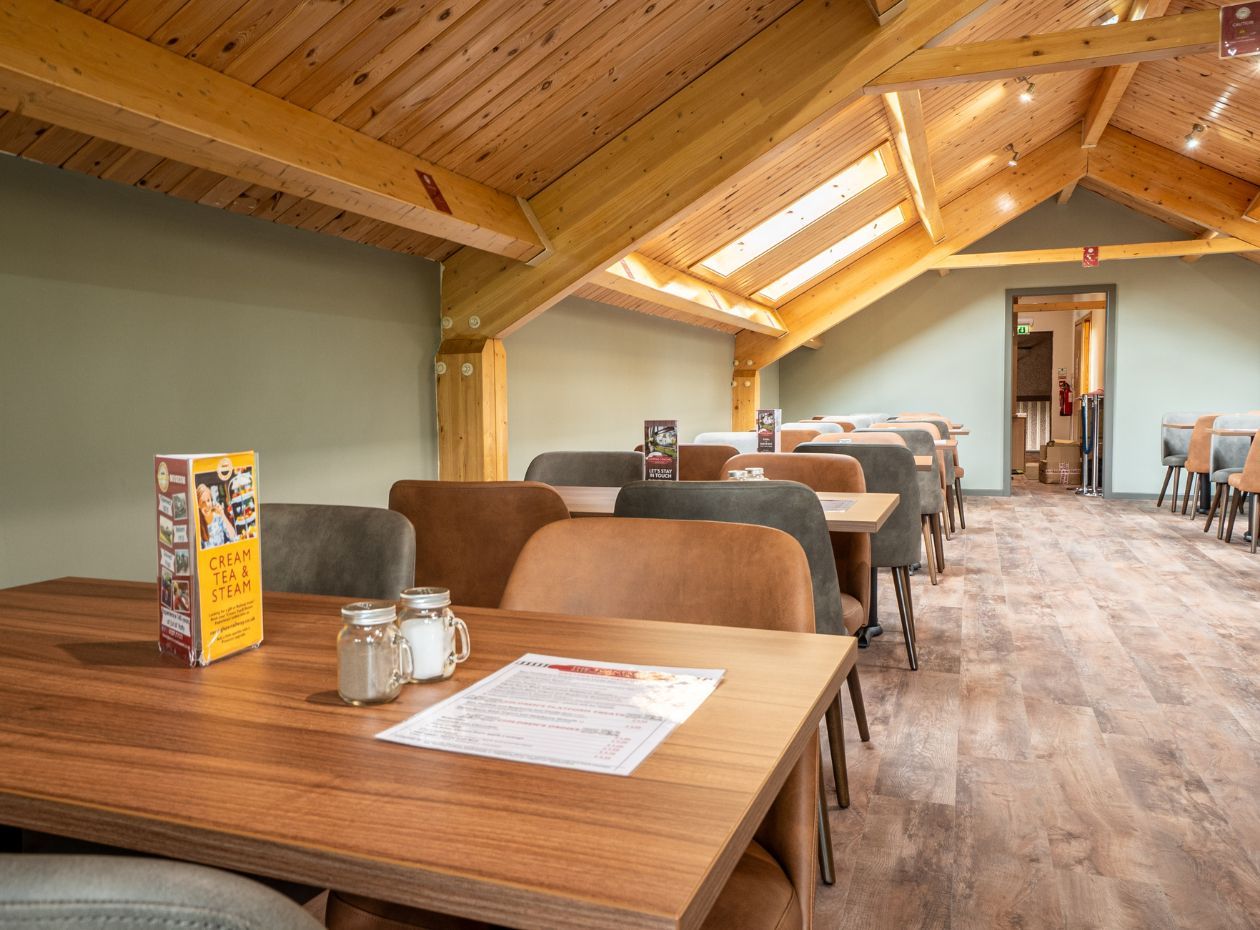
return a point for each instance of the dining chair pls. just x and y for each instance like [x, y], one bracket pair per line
[875, 437]
[843, 422]
[952, 471]
[821, 426]
[702, 461]
[1228, 455]
[740, 441]
[1246, 484]
[921, 441]
[790, 438]
[353, 552]
[64, 892]
[784, 505]
[1198, 461]
[1175, 446]
[586, 469]
[469, 533]
[898, 544]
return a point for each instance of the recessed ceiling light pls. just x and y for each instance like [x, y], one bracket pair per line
[759, 240]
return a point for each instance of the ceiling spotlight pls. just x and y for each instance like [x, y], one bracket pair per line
[1192, 137]
[1014, 159]
[1026, 95]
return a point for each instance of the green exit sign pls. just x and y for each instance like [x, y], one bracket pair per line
[1023, 329]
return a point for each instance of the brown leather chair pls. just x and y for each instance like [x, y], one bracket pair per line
[1198, 460]
[789, 439]
[469, 533]
[701, 461]
[1246, 482]
[844, 422]
[602, 567]
[879, 439]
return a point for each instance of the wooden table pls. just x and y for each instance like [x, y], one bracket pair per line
[1177, 425]
[1240, 431]
[255, 764]
[959, 432]
[868, 513]
[946, 443]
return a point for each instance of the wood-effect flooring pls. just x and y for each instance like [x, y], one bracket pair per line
[1080, 747]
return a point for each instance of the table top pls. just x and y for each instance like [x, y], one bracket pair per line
[254, 763]
[958, 431]
[946, 443]
[868, 513]
[1239, 431]
[921, 462]
[1177, 425]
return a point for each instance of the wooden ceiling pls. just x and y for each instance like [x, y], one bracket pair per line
[515, 94]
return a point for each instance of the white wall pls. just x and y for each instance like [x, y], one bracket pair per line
[132, 323]
[1188, 338]
[585, 375]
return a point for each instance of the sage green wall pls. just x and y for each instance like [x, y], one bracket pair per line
[132, 323]
[585, 375]
[1188, 338]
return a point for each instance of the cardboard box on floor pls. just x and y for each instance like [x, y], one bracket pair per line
[1060, 462]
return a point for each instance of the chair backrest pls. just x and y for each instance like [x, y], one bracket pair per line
[929, 427]
[1199, 454]
[111, 892]
[789, 439]
[1251, 471]
[818, 472]
[586, 469]
[697, 572]
[783, 505]
[1176, 441]
[822, 426]
[469, 533]
[353, 552]
[704, 461]
[743, 442]
[887, 469]
[1231, 451]
[921, 442]
[918, 415]
[844, 423]
[870, 437]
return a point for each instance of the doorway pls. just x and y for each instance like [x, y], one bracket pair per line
[1060, 346]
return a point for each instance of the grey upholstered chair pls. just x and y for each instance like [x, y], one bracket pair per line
[822, 426]
[328, 549]
[863, 420]
[741, 442]
[1228, 455]
[1174, 447]
[898, 543]
[931, 493]
[53, 892]
[586, 469]
[953, 473]
[784, 505]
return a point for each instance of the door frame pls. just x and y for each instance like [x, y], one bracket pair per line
[1109, 371]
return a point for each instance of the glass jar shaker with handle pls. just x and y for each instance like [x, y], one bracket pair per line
[430, 627]
[373, 657]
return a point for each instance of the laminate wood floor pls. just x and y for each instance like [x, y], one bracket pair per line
[1080, 747]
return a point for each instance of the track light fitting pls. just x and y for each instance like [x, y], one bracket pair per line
[1013, 160]
[1026, 95]
[1192, 137]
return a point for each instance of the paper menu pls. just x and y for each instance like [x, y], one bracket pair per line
[568, 713]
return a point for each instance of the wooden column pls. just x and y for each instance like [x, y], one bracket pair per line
[745, 398]
[472, 410]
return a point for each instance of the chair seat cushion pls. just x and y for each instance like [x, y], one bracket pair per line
[960, 472]
[1175, 461]
[854, 615]
[1236, 481]
[757, 896]
[1221, 475]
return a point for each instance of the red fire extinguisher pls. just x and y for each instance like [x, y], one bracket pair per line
[1065, 398]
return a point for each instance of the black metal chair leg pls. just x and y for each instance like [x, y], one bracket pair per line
[826, 862]
[859, 706]
[1168, 472]
[835, 741]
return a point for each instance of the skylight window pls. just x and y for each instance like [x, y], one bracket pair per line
[847, 246]
[796, 216]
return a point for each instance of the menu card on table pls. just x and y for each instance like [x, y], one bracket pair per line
[568, 713]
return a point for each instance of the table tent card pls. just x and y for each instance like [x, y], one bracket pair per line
[769, 429]
[660, 450]
[209, 561]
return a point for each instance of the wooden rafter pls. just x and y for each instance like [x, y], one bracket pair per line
[1206, 234]
[642, 278]
[1106, 253]
[719, 129]
[1114, 80]
[885, 11]
[909, 129]
[968, 218]
[1066, 194]
[1253, 210]
[1091, 47]
[62, 66]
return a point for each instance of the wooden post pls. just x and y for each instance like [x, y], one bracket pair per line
[745, 398]
[472, 410]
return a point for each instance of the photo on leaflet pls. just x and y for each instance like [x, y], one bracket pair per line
[226, 509]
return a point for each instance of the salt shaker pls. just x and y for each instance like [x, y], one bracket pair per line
[373, 657]
[430, 627]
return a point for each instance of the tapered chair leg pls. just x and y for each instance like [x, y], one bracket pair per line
[901, 585]
[958, 497]
[929, 549]
[1216, 503]
[1251, 520]
[1163, 489]
[938, 537]
[835, 741]
[1233, 515]
[1191, 477]
[826, 862]
[1176, 483]
[859, 706]
[949, 506]
[1220, 527]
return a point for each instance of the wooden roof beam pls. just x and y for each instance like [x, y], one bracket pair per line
[885, 11]
[909, 131]
[1206, 234]
[1090, 47]
[1253, 210]
[968, 218]
[1114, 80]
[645, 279]
[67, 68]
[1174, 183]
[1106, 253]
[717, 131]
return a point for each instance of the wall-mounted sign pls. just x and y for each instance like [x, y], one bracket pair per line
[1240, 30]
[1023, 329]
[1089, 256]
